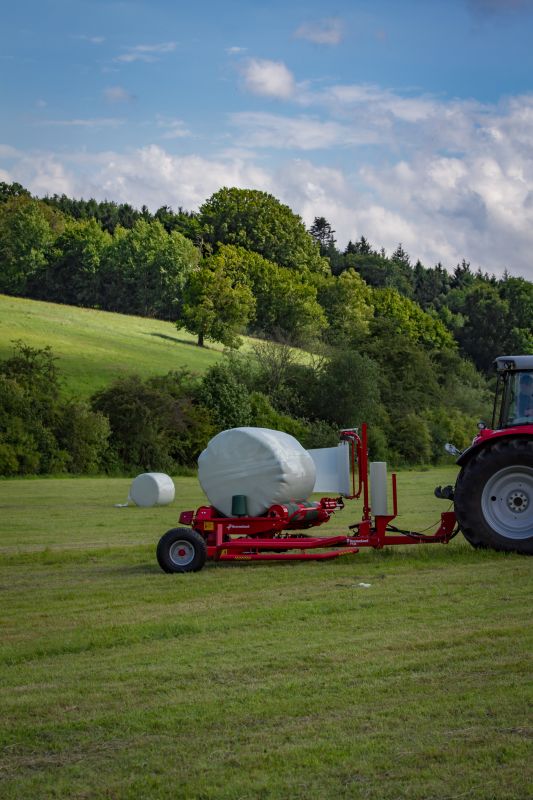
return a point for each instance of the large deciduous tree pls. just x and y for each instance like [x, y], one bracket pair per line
[347, 301]
[405, 317]
[217, 301]
[27, 231]
[145, 269]
[257, 221]
[72, 273]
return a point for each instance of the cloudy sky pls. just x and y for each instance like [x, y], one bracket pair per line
[401, 120]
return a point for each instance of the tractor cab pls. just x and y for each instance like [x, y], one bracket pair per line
[513, 404]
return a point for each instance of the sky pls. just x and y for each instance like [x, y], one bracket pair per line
[404, 121]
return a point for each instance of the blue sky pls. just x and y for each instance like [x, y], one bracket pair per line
[407, 121]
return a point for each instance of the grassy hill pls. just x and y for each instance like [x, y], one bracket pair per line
[94, 347]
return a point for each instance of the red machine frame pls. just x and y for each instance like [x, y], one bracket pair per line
[271, 537]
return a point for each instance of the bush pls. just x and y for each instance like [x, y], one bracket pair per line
[84, 435]
[226, 397]
[154, 424]
[39, 433]
[410, 439]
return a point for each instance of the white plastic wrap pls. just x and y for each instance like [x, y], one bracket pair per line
[266, 466]
[332, 466]
[152, 489]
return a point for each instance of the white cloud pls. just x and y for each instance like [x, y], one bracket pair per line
[236, 51]
[6, 151]
[258, 129]
[146, 52]
[117, 94]
[325, 31]
[268, 78]
[148, 175]
[91, 39]
[96, 122]
[449, 179]
[173, 128]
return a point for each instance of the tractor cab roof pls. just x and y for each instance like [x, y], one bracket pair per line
[512, 363]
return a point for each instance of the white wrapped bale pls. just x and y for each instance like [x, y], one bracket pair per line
[152, 489]
[265, 466]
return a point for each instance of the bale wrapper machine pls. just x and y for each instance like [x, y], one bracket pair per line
[279, 533]
[492, 496]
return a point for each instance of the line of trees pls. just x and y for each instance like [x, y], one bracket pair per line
[245, 262]
[164, 422]
[395, 344]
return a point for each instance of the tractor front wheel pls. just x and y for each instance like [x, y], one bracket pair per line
[181, 550]
[494, 497]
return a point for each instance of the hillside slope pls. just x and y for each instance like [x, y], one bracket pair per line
[94, 347]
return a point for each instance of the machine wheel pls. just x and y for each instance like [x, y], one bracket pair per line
[494, 497]
[181, 550]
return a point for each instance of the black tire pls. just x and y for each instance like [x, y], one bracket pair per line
[494, 496]
[181, 550]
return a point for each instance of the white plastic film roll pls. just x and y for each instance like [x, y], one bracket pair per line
[378, 488]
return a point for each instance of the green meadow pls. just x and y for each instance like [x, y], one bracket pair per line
[95, 347]
[254, 681]
[404, 673]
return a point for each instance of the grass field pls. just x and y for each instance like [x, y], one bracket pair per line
[94, 347]
[254, 681]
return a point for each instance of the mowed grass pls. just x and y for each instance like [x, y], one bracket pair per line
[254, 681]
[95, 347]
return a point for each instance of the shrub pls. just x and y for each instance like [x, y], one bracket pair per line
[226, 397]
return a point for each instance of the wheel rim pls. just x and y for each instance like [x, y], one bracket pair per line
[507, 502]
[181, 553]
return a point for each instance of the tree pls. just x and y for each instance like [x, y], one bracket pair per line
[518, 293]
[406, 376]
[8, 190]
[286, 302]
[72, 274]
[226, 397]
[347, 302]
[360, 248]
[346, 390]
[408, 319]
[322, 232]
[430, 285]
[27, 232]
[155, 424]
[145, 269]
[39, 433]
[185, 222]
[486, 332]
[217, 302]
[84, 435]
[410, 439]
[462, 276]
[257, 221]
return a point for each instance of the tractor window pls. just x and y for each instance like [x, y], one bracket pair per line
[517, 407]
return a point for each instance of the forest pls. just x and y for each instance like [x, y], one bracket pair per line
[341, 336]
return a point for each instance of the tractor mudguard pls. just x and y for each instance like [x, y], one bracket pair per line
[487, 435]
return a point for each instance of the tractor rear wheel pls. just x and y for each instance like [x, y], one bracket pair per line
[181, 550]
[494, 496]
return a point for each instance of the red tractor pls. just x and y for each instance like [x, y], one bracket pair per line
[493, 494]
[493, 499]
